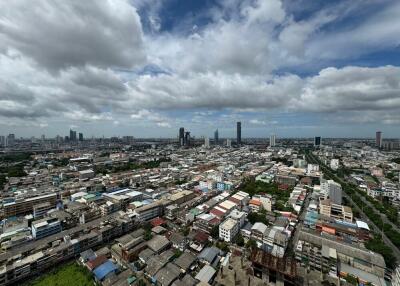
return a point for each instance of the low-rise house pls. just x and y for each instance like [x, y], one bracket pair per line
[206, 274]
[258, 231]
[209, 255]
[104, 270]
[178, 241]
[158, 243]
[168, 274]
[94, 263]
[145, 255]
[187, 280]
[185, 261]
[255, 205]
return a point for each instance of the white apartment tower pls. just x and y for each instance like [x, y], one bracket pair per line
[272, 140]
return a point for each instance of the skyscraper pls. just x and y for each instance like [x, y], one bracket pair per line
[10, 140]
[80, 136]
[378, 139]
[216, 137]
[239, 133]
[206, 142]
[181, 136]
[187, 138]
[317, 141]
[272, 139]
[72, 135]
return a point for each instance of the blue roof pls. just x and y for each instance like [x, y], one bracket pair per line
[209, 254]
[104, 269]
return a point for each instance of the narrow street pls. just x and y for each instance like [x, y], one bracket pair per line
[295, 237]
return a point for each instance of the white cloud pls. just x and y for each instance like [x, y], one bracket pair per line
[63, 60]
[257, 122]
[60, 34]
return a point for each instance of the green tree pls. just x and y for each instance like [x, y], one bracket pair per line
[215, 232]
[251, 243]
[240, 240]
[147, 235]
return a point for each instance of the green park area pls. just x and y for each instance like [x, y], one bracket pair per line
[65, 275]
[253, 187]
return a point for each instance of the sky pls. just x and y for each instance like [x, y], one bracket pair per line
[144, 68]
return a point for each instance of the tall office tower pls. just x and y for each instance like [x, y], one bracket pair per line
[43, 137]
[228, 143]
[378, 139]
[206, 142]
[181, 136]
[272, 140]
[239, 133]
[72, 135]
[2, 141]
[317, 141]
[187, 138]
[216, 137]
[80, 136]
[10, 140]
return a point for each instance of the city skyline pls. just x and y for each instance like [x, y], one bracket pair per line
[293, 68]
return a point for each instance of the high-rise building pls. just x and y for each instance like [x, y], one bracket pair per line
[72, 135]
[317, 141]
[80, 136]
[181, 136]
[216, 137]
[187, 138]
[378, 139]
[239, 133]
[332, 190]
[228, 143]
[206, 142]
[10, 140]
[272, 140]
[2, 141]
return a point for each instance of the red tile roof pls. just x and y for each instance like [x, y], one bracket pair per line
[99, 260]
[255, 202]
[217, 212]
[201, 236]
[157, 222]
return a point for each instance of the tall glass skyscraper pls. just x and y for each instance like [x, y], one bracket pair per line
[239, 133]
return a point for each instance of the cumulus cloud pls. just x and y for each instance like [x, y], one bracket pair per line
[60, 34]
[145, 115]
[376, 32]
[213, 90]
[257, 122]
[352, 88]
[93, 61]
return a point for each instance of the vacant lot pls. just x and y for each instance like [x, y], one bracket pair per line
[65, 275]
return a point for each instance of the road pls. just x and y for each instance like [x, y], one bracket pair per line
[383, 216]
[367, 203]
[387, 241]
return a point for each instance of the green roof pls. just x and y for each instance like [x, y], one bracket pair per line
[131, 280]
